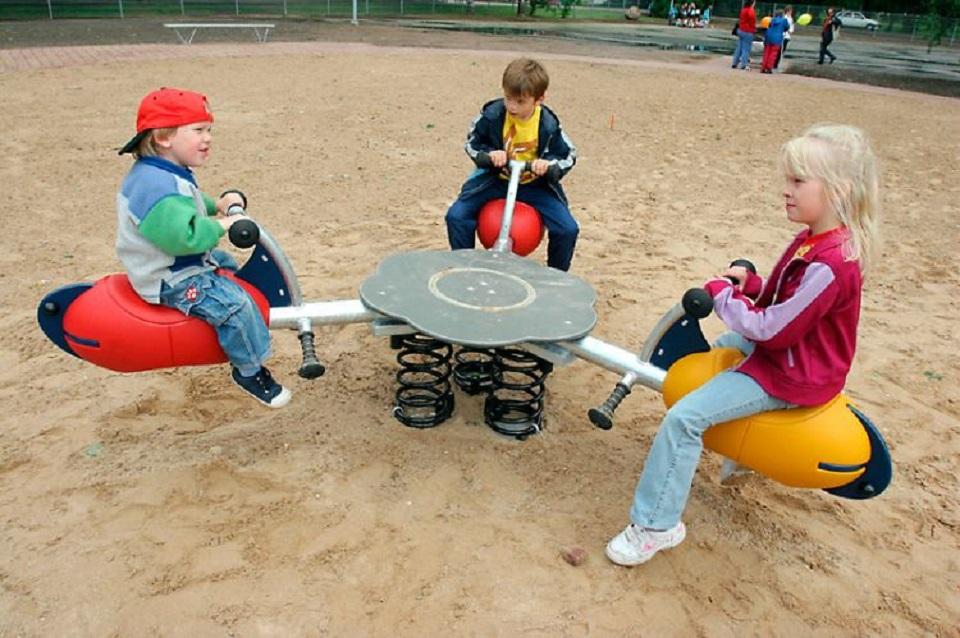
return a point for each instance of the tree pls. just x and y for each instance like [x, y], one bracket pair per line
[941, 14]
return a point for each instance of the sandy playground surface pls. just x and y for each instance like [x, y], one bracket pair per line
[165, 503]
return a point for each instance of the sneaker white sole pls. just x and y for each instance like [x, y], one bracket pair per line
[280, 400]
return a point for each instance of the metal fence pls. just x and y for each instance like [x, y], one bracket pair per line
[914, 27]
[56, 9]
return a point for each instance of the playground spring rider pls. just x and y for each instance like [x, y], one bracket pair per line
[514, 320]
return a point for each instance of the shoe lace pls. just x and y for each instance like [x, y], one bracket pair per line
[264, 380]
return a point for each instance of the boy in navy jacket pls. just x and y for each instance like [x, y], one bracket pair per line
[519, 127]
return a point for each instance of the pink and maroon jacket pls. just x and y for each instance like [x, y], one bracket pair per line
[804, 321]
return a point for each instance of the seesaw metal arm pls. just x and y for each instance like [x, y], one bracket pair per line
[601, 353]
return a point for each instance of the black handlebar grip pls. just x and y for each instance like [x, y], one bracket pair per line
[240, 193]
[244, 233]
[697, 303]
[311, 367]
[483, 160]
[602, 417]
[744, 263]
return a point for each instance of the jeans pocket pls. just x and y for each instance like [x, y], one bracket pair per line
[222, 299]
[184, 296]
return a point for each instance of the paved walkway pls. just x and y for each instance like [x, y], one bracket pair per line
[12, 60]
[26, 59]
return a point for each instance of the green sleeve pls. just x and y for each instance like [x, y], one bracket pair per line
[177, 228]
[210, 203]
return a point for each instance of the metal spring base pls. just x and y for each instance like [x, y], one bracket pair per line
[425, 397]
[515, 404]
[473, 370]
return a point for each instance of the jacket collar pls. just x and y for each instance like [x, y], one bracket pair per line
[821, 243]
[496, 110]
[170, 167]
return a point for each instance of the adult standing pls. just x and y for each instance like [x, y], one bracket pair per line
[788, 14]
[831, 24]
[746, 27]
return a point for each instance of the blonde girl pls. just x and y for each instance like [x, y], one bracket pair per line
[797, 328]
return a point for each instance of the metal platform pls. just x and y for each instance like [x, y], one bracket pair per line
[481, 298]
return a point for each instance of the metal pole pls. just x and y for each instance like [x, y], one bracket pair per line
[354, 19]
[322, 313]
[120, 4]
[50, 8]
[504, 243]
[284, 7]
[236, 4]
[181, 8]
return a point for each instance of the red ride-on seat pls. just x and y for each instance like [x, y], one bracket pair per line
[526, 231]
[111, 326]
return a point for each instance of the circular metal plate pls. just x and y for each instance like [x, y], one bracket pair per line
[481, 298]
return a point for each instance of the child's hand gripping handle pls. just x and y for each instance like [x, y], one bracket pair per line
[742, 263]
[698, 303]
[553, 171]
[243, 233]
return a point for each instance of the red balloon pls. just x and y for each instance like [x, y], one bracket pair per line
[526, 231]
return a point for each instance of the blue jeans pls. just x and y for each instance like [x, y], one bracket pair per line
[562, 228]
[741, 56]
[226, 306]
[664, 484]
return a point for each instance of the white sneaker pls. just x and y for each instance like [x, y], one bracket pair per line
[636, 545]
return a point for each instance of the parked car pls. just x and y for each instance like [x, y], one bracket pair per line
[856, 20]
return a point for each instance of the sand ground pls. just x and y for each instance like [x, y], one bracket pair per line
[165, 503]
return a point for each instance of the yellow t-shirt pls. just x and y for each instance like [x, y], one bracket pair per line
[520, 141]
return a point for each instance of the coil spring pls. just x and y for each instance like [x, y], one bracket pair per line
[425, 397]
[515, 403]
[473, 370]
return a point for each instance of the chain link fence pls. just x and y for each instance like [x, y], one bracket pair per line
[57, 9]
[906, 26]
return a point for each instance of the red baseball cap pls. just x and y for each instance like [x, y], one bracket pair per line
[166, 108]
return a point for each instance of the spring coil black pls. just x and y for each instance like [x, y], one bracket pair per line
[425, 397]
[515, 404]
[473, 370]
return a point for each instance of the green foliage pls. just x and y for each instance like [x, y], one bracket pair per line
[561, 7]
[660, 8]
[940, 17]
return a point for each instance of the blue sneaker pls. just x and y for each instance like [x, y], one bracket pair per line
[263, 388]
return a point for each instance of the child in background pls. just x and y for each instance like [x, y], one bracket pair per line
[788, 15]
[167, 233]
[830, 24]
[519, 126]
[772, 40]
[797, 328]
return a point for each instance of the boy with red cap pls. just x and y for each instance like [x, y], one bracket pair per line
[167, 232]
